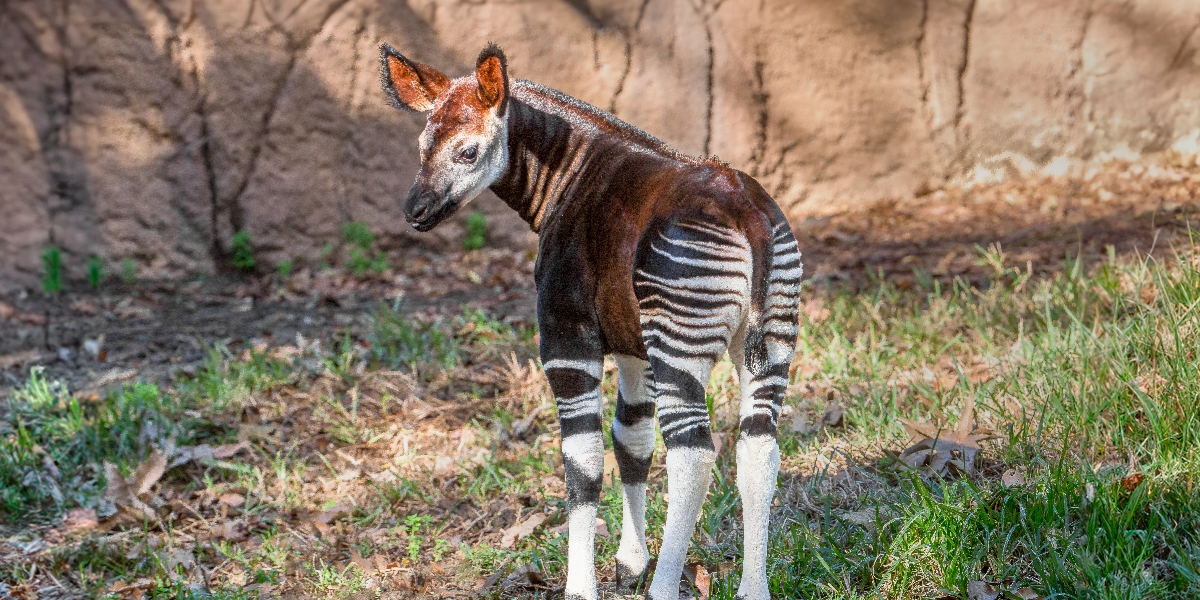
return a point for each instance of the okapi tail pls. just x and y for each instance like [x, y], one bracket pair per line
[775, 307]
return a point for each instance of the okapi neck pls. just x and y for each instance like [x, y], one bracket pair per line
[544, 156]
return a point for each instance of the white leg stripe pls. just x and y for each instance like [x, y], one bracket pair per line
[689, 471]
[591, 367]
[758, 468]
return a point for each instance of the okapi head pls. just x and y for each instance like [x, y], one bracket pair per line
[464, 147]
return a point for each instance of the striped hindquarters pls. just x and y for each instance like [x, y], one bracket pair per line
[771, 342]
[693, 290]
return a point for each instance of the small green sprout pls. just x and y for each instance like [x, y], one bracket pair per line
[243, 254]
[476, 230]
[95, 271]
[52, 270]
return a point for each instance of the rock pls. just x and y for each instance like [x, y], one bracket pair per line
[155, 130]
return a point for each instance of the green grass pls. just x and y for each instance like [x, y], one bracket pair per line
[44, 425]
[241, 249]
[1088, 379]
[360, 260]
[52, 280]
[95, 271]
[476, 231]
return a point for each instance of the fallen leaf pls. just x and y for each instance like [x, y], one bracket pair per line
[800, 424]
[119, 492]
[23, 592]
[833, 415]
[938, 452]
[233, 500]
[338, 511]
[982, 590]
[1027, 593]
[19, 358]
[381, 563]
[699, 578]
[520, 428]
[356, 557]
[181, 557]
[601, 527]
[95, 348]
[203, 452]
[29, 318]
[863, 518]
[525, 576]
[80, 520]
[148, 473]
[1012, 478]
[610, 467]
[443, 467]
[1131, 482]
[521, 530]
[231, 530]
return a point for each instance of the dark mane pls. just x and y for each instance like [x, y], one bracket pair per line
[574, 109]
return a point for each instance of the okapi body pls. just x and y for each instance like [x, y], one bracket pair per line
[662, 260]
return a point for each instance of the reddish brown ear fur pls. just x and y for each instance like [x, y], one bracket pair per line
[491, 71]
[407, 83]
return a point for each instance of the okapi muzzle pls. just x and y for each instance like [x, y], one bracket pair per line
[464, 147]
[425, 207]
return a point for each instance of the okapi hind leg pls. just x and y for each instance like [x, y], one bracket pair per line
[576, 387]
[633, 444]
[693, 286]
[762, 366]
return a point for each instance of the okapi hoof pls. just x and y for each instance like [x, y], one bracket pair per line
[628, 580]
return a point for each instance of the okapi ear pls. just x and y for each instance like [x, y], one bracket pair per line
[491, 71]
[407, 83]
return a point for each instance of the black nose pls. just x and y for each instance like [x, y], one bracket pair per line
[418, 203]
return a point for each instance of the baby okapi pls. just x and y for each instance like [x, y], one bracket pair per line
[662, 260]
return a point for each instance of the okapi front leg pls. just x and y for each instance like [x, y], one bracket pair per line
[633, 444]
[576, 387]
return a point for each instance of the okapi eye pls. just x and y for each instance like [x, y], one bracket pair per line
[467, 154]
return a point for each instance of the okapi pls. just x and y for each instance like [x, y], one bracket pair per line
[662, 260]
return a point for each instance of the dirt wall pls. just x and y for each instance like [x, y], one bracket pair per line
[154, 129]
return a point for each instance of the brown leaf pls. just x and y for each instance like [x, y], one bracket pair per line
[521, 530]
[863, 518]
[23, 592]
[148, 473]
[233, 500]
[833, 415]
[1131, 482]
[1012, 478]
[601, 527]
[525, 576]
[1027, 593]
[938, 451]
[700, 579]
[231, 530]
[339, 510]
[982, 590]
[800, 424]
[80, 520]
[443, 467]
[120, 492]
[357, 558]
[610, 467]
